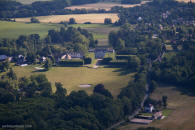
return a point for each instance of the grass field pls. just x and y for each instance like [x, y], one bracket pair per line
[100, 31]
[80, 18]
[102, 5]
[181, 111]
[14, 29]
[29, 1]
[71, 77]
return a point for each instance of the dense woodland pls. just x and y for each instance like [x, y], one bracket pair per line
[147, 37]
[38, 106]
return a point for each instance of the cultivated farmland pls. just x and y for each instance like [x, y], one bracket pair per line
[72, 77]
[80, 18]
[186, 1]
[14, 29]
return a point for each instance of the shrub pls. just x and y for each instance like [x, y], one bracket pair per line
[87, 60]
[71, 62]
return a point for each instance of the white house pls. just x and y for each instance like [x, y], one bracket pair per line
[149, 108]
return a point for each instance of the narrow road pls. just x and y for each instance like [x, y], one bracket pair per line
[96, 65]
[146, 95]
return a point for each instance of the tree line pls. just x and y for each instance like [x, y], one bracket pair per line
[10, 9]
[55, 44]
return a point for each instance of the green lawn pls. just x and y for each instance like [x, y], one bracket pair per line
[14, 29]
[166, 112]
[71, 77]
[146, 114]
[99, 31]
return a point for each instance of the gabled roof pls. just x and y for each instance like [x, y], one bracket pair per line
[3, 57]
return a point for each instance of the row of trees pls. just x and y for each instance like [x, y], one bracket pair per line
[178, 69]
[55, 44]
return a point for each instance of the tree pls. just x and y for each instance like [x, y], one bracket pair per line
[60, 91]
[72, 21]
[107, 21]
[12, 75]
[101, 90]
[164, 100]
[31, 57]
[130, 1]
[153, 86]
[34, 20]
[120, 44]
[4, 66]
[48, 64]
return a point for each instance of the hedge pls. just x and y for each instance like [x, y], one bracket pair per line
[106, 60]
[120, 63]
[87, 60]
[71, 62]
[129, 51]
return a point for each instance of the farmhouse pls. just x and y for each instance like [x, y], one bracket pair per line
[3, 57]
[72, 55]
[101, 51]
[149, 108]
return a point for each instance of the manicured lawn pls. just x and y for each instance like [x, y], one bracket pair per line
[72, 77]
[14, 29]
[95, 25]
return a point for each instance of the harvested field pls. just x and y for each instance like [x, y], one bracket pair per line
[186, 1]
[13, 30]
[80, 18]
[103, 5]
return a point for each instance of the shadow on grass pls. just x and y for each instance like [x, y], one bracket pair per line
[124, 71]
[183, 90]
[186, 91]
